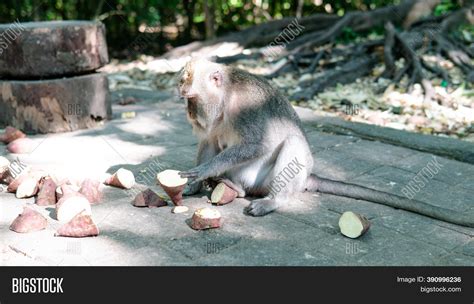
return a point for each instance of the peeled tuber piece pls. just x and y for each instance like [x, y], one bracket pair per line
[29, 221]
[71, 204]
[91, 190]
[47, 192]
[11, 134]
[353, 225]
[27, 188]
[15, 183]
[223, 194]
[206, 218]
[179, 209]
[81, 225]
[173, 184]
[4, 163]
[123, 178]
[148, 198]
[21, 146]
[67, 183]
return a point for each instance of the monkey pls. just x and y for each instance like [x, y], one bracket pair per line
[248, 135]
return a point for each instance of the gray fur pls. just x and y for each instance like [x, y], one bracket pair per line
[255, 138]
[250, 134]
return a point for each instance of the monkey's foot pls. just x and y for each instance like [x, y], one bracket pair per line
[261, 207]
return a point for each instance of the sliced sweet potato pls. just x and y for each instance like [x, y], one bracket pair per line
[47, 192]
[59, 191]
[353, 225]
[71, 204]
[123, 178]
[11, 134]
[223, 194]
[179, 209]
[206, 218]
[81, 225]
[173, 184]
[4, 163]
[21, 146]
[15, 183]
[148, 198]
[29, 221]
[91, 190]
[27, 188]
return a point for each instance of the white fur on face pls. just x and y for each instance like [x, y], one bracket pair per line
[202, 79]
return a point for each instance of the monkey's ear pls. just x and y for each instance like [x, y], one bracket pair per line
[216, 78]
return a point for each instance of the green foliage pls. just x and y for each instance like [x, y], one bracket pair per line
[444, 7]
[165, 22]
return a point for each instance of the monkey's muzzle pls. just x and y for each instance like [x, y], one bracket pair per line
[192, 105]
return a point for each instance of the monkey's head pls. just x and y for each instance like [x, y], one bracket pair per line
[201, 84]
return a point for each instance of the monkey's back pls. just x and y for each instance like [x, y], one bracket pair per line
[265, 115]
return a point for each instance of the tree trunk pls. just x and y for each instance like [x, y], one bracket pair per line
[98, 10]
[299, 8]
[210, 22]
[67, 48]
[55, 105]
[189, 9]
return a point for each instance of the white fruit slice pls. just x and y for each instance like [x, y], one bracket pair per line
[71, 204]
[179, 209]
[123, 178]
[173, 184]
[27, 188]
[353, 225]
[171, 178]
[4, 163]
[206, 218]
[222, 194]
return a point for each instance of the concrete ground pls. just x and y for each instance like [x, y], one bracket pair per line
[303, 233]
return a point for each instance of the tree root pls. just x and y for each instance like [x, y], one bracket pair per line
[346, 73]
[303, 54]
[406, 45]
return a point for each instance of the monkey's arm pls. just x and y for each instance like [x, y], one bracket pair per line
[224, 161]
[206, 151]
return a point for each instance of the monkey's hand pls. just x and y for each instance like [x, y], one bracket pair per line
[225, 160]
[197, 174]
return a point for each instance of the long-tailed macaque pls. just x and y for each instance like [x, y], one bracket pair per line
[251, 138]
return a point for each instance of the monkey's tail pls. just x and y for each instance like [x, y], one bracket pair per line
[315, 183]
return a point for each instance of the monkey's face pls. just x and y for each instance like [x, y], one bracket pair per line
[201, 84]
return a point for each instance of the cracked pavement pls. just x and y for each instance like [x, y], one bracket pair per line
[304, 233]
